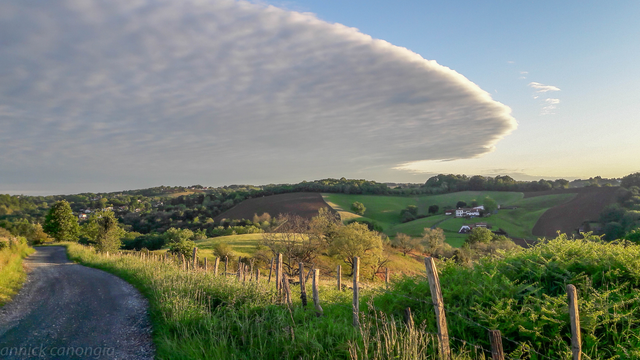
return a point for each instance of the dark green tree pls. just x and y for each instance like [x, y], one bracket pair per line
[60, 223]
[433, 209]
[631, 180]
[460, 204]
[489, 204]
[109, 233]
[358, 208]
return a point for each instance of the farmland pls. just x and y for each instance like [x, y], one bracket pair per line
[302, 204]
[517, 222]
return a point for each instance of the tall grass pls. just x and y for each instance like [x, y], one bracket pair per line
[12, 274]
[198, 316]
[523, 295]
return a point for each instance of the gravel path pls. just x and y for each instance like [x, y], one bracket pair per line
[68, 311]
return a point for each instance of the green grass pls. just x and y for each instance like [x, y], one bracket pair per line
[12, 274]
[243, 245]
[517, 223]
[386, 209]
[521, 293]
[199, 316]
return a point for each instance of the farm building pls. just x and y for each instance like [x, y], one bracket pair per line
[467, 228]
[462, 212]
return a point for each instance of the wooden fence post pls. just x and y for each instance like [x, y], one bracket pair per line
[184, 263]
[226, 264]
[257, 275]
[339, 277]
[205, 264]
[438, 307]
[316, 296]
[215, 266]
[286, 290]
[251, 270]
[279, 274]
[496, 345]
[386, 277]
[244, 272]
[195, 258]
[574, 315]
[270, 271]
[356, 292]
[239, 273]
[303, 288]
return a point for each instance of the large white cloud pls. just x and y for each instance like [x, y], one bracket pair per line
[116, 91]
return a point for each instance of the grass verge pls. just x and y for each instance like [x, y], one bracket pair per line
[12, 274]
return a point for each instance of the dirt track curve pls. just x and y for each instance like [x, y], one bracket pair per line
[68, 311]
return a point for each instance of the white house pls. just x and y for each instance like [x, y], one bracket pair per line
[462, 212]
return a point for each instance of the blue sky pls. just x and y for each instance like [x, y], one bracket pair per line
[588, 49]
[114, 95]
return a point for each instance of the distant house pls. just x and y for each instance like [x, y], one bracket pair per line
[450, 211]
[467, 228]
[462, 212]
[82, 216]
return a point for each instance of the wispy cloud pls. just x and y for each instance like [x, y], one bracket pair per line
[548, 104]
[131, 92]
[543, 88]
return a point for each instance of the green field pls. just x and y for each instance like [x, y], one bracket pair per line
[516, 222]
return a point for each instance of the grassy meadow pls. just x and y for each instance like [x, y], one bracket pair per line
[247, 245]
[521, 293]
[516, 222]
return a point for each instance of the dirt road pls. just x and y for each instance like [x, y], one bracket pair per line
[68, 311]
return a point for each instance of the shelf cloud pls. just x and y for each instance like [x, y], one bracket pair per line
[143, 92]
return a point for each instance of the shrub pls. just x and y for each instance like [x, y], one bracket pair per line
[221, 250]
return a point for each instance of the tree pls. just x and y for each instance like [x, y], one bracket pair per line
[460, 204]
[60, 223]
[221, 250]
[355, 240]
[178, 235]
[479, 235]
[184, 247]
[631, 180]
[432, 239]
[489, 204]
[613, 230]
[325, 225]
[295, 241]
[38, 236]
[406, 243]
[433, 209]
[633, 236]
[109, 232]
[358, 208]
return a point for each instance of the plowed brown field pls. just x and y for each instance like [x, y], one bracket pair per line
[302, 204]
[567, 217]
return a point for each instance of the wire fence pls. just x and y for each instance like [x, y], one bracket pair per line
[381, 291]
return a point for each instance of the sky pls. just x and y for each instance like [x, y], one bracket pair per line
[113, 95]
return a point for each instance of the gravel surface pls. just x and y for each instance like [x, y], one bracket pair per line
[68, 311]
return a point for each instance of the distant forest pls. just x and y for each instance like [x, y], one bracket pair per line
[157, 209]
